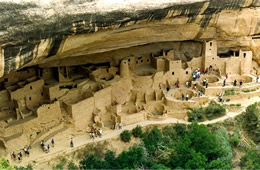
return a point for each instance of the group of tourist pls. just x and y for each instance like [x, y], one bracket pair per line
[196, 74]
[94, 132]
[19, 156]
[46, 148]
[186, 97]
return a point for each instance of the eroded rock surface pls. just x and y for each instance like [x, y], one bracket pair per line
[67, 32]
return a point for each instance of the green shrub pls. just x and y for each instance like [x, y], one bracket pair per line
[229, 92]
[137, 131]
[246, 91]
[151, 139]
[214, 110]
[232, 104]
[228, 100]
[72, 166]
[195, 114]
[125, 136]
[28, 167]
[58, 167]
[251, 159]
[238, 104]
[169, 131]
[234, 141]
[251, 121]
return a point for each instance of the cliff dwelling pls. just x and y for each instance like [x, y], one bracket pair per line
[38, 101]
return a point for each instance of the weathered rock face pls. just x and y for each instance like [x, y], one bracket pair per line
[84, 31]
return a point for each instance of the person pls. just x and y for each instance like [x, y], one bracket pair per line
[207, 70]
[48, 147]
[167, 89]
[201, 92]
[45, 149]
[100, 132]
[71, 142]
[195, 86]
[14, 156]
[198, 76]
[194, 77]
[21, 155]
[207, 83]
[26, 151]
[226, 76]
[187, 96]
[120, 125]
[178, 84]
[220, 98]
[187, 84]
[95, 130]
[224, 83]
[235, 82]
[52, 142]
[204, 82]
[240, 83]
[19, 158]
[182, 97]
[42, 143]
[93, 136]
[257, 78]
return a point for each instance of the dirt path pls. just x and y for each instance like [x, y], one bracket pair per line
[80, 141]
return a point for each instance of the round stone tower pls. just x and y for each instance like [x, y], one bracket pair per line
[124, 69]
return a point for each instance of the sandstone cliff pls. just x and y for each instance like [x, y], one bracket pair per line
[67, 32]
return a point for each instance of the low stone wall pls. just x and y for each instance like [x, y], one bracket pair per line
[242, 95]
[127, 119]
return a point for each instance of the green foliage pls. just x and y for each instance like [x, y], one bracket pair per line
[176, 147]
[225, 151]
[180, 129]
[72, 166]
[195, 114]
[125, 136]
[251, 159]
[214, 110]
[229, 92]
[238, 104]
[197, 149]
[58, 167]
[137, 131]
[169, 131]
[131, 159]
[152, 138]
[110, 159]
[246, 91]
[252, 121]
[91, 162]
[4, 164]
[228, 100]
[160, 167]
[28, 167]
[61, 164]
[235, 139]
